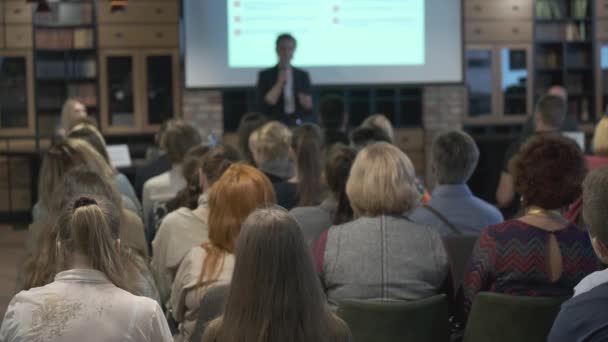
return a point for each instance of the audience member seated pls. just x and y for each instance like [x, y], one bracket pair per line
[382, 122]
[584, 317]
[87, 300]
[333, 119]
[307, 142]
[72, 113]
[238, 192]
[158, 162]
[335, 209]
[187, 197]
[549, 115]
[275, 294]
[90, 134]
[271, 150]
[453, 209]
[541, 253]
[249, 123]
[381, 254]
[570, 123]
[61, 158]
[599, 145]
[598, 159]
[41, 248]
[185, 228]
[178, 139]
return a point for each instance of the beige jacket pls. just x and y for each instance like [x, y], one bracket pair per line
[178, 233]
[186, 294]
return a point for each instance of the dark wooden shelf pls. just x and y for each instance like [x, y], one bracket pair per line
[68, 80]
[64, 51]
[64, 27]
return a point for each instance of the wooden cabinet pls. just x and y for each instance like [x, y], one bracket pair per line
[499, 82]
[139, 89]
[139, 13]
[498, 9]
[16, 93]
[17, 12]
[601, 29]
[495, 31]
[1, 35]
[128, 36]
[601, 8]
[18, 37]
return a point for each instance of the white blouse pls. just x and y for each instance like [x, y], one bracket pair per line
[82, 305]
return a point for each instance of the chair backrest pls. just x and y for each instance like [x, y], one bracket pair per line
[498, 317]
[420, 320]
[459, 249]
[212, 307]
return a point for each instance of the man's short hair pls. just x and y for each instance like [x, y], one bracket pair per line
[283, 36]
[179, 138]
[454, 155]
[595, 202]
[331, 111]
[552, 110]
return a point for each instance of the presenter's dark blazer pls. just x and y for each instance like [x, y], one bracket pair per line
[266, 80]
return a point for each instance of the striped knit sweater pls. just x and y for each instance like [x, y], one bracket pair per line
[511, 258]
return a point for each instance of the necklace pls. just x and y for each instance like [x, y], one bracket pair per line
[540, 211]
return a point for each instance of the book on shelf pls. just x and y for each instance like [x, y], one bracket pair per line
[64, 39]
[548, 9]
[579, 8]
[65, 14]
[85, 93]
[568, 31]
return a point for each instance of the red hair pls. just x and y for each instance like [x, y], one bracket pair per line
[240, 190]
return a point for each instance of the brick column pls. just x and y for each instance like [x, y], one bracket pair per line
[443, 108]
[203, 109]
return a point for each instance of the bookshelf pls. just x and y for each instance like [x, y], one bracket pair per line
[564, 53]
[65, 61]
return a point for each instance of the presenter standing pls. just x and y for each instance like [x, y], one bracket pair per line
[283, 91]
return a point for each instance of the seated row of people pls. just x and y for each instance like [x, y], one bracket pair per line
[370, 236]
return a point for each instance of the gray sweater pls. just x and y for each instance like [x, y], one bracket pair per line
[381, 258]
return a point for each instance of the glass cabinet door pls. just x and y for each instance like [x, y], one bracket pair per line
[119, 91]
[603, 60]
[514, 77]
[480, 81]
[160, 82]
[13, 93]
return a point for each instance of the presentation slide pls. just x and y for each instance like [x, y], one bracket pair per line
[339, 42]
[358, 33]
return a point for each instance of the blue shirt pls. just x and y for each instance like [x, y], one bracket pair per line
[583, 318]
[457, 204]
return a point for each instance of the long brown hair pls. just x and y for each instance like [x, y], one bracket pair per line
[340, 159]
[41, 267]
[60, 158]
[90, 225]
[239, 191]
[307, 142]
[275, 294]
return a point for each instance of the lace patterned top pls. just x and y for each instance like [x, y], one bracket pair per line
[82, 305]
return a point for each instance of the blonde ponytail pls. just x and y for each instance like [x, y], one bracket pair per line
[91, 227]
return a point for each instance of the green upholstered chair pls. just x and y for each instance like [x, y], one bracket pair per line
[381, 321]
[498, 317]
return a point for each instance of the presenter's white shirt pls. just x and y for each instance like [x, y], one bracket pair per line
[289, 99]
[82, 305]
